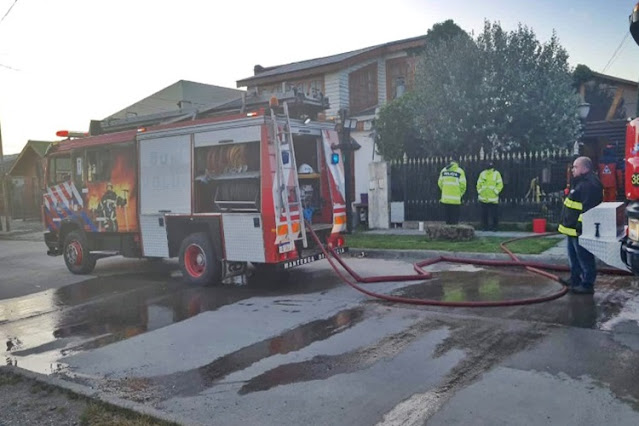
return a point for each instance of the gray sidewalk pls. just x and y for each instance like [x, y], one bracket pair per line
[20, 229]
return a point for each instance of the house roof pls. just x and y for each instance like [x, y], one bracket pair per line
[188, 93]
[327, 63]
[39, 147]
[614, 79]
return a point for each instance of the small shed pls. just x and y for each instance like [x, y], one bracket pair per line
[27, 180]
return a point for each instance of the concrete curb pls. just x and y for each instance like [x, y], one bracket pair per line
[90, 393]
[429, 254]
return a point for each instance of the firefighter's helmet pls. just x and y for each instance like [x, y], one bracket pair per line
[305, 169]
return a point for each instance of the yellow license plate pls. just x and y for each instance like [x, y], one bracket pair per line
[633, 229]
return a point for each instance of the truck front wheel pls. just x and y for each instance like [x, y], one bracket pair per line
[76, 253]
[198, 261]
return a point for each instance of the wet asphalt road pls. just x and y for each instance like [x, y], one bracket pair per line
[315, 351]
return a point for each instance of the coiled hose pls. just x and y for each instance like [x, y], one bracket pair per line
[421, 275]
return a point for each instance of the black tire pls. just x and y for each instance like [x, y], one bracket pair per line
[76, 253]
[199, 263]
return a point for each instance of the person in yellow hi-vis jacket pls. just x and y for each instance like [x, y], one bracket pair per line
[489, 185]
[452, 183]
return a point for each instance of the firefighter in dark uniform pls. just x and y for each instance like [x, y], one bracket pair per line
[585, 193]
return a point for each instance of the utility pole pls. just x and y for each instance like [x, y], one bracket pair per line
[6, 212]
[347, 149]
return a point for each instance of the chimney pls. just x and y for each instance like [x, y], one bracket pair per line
[257, 69]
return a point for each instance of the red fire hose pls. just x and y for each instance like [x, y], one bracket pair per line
[422, 275]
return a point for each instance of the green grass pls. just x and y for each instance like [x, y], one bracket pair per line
[98, 414]
[478, 245]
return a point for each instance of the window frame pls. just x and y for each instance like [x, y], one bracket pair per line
[52, 168]
[363, 81]
[391, 78]
[101, 153]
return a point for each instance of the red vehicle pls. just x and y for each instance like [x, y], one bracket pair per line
[630, 245]
[218, 192]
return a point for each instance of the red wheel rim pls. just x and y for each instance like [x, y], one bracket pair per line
[74, 252]
[194, 260]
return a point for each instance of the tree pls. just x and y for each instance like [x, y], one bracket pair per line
[502, 91]
[443, 32]
[395, 128]
[528, 91]
[447, 90]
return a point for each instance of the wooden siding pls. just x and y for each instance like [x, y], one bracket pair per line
[336, 86]
[363, 88]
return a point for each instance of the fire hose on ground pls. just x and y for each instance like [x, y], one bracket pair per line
[421, 274]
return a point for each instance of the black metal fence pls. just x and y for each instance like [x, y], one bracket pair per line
[533, 185]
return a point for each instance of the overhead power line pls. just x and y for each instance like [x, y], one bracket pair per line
[2, 19]
[8, 67]
[615, 53]
[11, 7]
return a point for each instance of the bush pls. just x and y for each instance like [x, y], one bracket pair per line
[449, 232]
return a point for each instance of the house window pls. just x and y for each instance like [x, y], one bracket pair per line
[362, 85]
[312, 87]
[59, 169]
[400, 73]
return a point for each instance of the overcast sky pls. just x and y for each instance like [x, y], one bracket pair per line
[65, 62]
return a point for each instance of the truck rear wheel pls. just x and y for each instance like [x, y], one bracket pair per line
[198, 261]
[76, 253]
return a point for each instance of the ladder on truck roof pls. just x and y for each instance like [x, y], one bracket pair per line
[288, 185]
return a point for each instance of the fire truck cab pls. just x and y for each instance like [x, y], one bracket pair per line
[218, 193]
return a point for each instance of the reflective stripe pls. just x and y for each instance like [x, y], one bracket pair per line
[571, 232]
[579, 219]
[576, 205]
[451, 197]
[450, 182]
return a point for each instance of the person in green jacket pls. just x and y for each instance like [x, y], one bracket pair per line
[489, 185]
[452, 183]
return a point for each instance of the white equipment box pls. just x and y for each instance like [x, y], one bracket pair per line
[602, 231]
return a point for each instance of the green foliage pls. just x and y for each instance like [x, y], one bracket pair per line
[394, 128]
[448, 88]
[503, 91]
[581, 74]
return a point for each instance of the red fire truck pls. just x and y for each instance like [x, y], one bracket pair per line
[630, 245]
[603, 225]
[219, 192]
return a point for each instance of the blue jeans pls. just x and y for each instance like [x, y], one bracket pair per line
[583, 270]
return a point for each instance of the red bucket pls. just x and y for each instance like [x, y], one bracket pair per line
[539, 226]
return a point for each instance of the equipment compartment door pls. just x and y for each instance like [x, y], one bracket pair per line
[165, 187]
